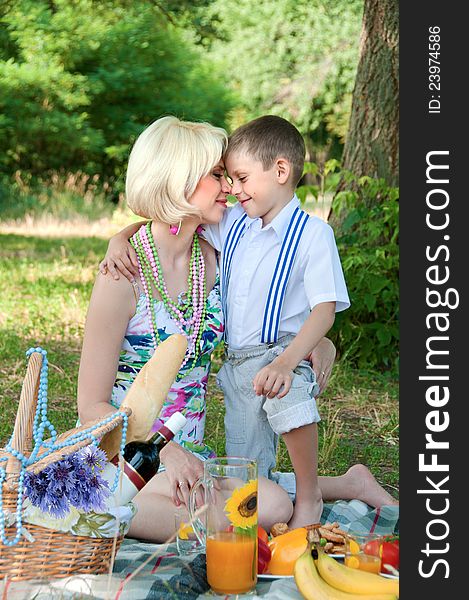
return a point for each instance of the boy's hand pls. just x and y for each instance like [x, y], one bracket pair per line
[120, 257]
[272, 378]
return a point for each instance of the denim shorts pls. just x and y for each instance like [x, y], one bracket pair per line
[253, 423]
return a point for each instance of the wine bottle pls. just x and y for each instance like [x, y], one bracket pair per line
[141, 461]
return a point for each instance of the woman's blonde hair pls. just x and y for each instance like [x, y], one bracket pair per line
[167, 162]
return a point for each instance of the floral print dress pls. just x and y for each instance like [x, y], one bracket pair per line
[187, 394]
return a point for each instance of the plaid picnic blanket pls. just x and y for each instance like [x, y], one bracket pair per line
[145, 571]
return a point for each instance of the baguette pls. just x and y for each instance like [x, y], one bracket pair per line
[148, 392]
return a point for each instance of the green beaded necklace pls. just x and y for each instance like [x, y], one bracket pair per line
[189, 314]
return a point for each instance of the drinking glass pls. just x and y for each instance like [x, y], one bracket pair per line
[363, 551]
[228, 524]
[187, 541]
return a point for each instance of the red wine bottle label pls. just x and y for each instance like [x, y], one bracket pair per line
[131, 473]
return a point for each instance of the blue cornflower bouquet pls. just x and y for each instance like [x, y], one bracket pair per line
[57, 483]
[74, 481]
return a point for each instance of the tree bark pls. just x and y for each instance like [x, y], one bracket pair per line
[372, 143]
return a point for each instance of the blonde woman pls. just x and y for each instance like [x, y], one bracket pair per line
[175, 179]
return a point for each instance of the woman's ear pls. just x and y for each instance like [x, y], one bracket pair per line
[282, 170]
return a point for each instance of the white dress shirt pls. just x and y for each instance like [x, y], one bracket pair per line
[316, 275]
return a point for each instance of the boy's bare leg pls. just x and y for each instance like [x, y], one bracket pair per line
[357, 482]
[302, 446]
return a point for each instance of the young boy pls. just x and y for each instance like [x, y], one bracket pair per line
[282, 283]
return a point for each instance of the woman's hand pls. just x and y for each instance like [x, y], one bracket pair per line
[182, 469]
[322, 360]
[120, 256]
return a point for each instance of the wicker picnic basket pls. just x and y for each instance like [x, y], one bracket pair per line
[47, 553]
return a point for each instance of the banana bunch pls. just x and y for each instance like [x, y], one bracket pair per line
[330, 580]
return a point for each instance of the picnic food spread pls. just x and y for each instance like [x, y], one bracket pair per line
[277, 555]
[294, 551]
[373, 553]
[330, 536]
[285, 550]
[388, 550]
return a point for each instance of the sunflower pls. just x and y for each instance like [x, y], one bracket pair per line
[241, 506]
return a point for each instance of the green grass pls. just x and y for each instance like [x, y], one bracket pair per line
[45, 287]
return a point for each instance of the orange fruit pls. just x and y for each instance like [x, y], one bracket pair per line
[352, 562]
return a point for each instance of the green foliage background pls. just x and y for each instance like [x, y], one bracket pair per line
[79, 81]
[294, 58]
[367, 210]
[368, 242]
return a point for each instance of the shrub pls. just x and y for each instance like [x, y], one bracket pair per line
[366, 215]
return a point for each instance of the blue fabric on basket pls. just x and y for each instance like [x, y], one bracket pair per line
[168, 576]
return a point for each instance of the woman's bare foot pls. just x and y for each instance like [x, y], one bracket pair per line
[306, 513]
[366, 488]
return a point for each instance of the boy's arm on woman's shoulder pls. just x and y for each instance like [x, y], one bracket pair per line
[120, 256]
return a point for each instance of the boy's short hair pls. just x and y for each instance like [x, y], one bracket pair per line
[167, 162]
[268, 138]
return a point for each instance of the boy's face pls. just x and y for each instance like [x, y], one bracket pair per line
[257, 190]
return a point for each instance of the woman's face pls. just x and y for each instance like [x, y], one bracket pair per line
[210, 195]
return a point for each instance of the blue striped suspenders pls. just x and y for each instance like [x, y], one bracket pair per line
[278, 286]
[235, 233]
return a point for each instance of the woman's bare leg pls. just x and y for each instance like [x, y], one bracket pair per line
[357, 482]
[154, 520]
[275, 505]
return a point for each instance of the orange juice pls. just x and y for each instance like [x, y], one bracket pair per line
[364, 562]
[231, 562]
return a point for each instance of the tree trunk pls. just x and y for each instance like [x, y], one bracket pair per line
[372, 143]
